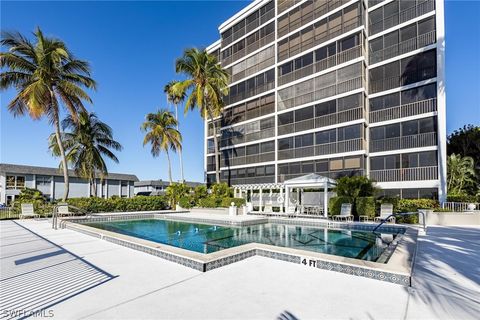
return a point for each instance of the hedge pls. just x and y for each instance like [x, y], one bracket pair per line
[226, 202]
[138, 203]
[462, 198]
[209, 202]
[365, 206]
[335, 204]
[186, 202]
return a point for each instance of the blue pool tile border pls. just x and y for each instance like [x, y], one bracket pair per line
[204, 266]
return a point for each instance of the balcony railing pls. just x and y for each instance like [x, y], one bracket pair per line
[322, 121]
[322, 149]
[406, 110]
[321, 65]
[321, 93]
[421, 41]
[256, 158]
[249, 27]
[249, 49]
[250, 93]
[405, 174]
[405, 142]
[403, 16]
[263, 134]
[253, 69]
[251, 180]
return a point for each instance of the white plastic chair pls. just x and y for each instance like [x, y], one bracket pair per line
[28, 211]
[345, 213]
[386, 209]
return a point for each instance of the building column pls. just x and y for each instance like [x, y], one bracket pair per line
[441, 102]
[260, 200]
[106, 188]
[287, 198]
[52, 188]
[282, 202]
[3, 189]
[325, 199]
[34, 181]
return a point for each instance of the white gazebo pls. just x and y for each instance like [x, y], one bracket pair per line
[311, 180]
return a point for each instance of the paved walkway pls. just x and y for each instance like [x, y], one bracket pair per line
[119, 283]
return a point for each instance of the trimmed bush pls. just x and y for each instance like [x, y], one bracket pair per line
[185, 202]
[462, 198]
[335, 204]
[365, 206]
[227, 201]
[412, 205]
[209, 202]
[138, 203]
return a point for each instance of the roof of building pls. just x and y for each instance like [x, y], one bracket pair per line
[161, 183]
[6, 168]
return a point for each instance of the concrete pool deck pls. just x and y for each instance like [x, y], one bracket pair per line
[107, 281]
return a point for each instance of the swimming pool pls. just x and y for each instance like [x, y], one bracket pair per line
[203, 238]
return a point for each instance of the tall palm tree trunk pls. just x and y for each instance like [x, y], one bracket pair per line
[215, 142]
[180, 150]
[169, 168]
[56, 122]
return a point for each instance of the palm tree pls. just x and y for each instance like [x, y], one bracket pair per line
[206, 84]
[86, 145]
[175, 97]
[460, 173]
[45, 75]
[162, 134]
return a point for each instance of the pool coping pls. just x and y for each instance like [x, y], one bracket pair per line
[397, 269]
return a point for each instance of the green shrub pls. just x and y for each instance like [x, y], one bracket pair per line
[461, 198]
[175, 191]
[209, 202]
[186, 202]
[226, 202]
[412, 205]
[36, 197]
[221, 190]
[335, 204]
[198, 193]
[365, 206]
[138, 203]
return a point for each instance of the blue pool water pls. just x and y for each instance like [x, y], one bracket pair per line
[203, 238]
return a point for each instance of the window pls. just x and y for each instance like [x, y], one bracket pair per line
[43, 181]
[267, 146]
[304, 114]
[427, 159]
[286, 143]
[324, 137]
[352, 163]
[15, 182]
[409, 128]
[392, 131]
[304, 140]
[336, 164]
[377, 163]
[325, 108]
[285, 118]
[269, 170]
[427, 125]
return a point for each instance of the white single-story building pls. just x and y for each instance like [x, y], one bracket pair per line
[14, 178]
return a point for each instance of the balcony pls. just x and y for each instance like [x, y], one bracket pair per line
[250, 93]
[253, 69]
[322, 121]
[421, 41]
[405, 174]
[406, 110]
[321, 65]
[322, 149]
[249, 159]
[321, 93]
[249, 27]
[405, 142]
[403, 16]
[249, 49]
[242, 138]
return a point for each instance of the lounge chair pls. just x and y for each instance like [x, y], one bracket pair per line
[28, 211]
[268, 208]
[62, 210]
[345, 213]
[291, 211]
[386, 209]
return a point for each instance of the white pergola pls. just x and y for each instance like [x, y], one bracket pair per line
[265, 190]
[311, 180]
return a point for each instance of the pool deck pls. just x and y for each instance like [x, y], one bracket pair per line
[76, 276]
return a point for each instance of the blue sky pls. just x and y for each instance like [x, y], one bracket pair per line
[132, 47]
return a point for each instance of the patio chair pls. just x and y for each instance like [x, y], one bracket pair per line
[386, 209]
[28, 211]
[268, 208]
[345, 213]
[291, 211]
[63, 211]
